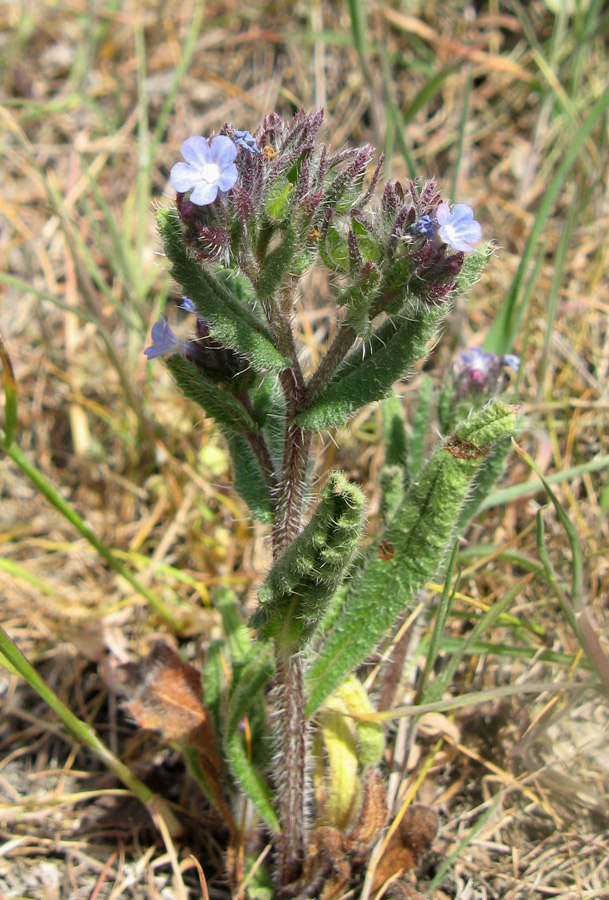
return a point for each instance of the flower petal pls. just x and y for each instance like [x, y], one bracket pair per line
[223, 151]
[228, 177]
[204, 193]
[462, 213]
[195, 151]
[182, 177]
[443, 213]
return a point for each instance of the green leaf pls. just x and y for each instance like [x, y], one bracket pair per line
[370, 371]
[473, 266]
[276, 266]
[214, 400]
[277, 203]
[249, 481]
[236, 630]
[416, 444]
[231, 323]
[393, 431]
[214, 681]
[245, 694]
[409, 551]
[300, 586]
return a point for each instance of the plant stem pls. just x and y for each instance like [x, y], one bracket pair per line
[291, 758]
[291, 762]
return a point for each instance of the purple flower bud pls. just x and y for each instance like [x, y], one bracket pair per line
[246, 141]
[458, 228]
[209, 168]
[186, 304]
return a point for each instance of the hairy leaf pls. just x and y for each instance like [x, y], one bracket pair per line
[299, 588]
[370, 371]
[231, 323]
[409, 551]
[216, 402]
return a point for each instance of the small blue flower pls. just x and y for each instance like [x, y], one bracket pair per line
[246, 141]
[165, 341]
[209, 168]
[424, 226]
[458, 228]
[186, 304]
[511, 361]
[477, 365]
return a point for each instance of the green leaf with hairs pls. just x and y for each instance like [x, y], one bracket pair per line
[369, 372]
[277, 204]
[244, 696]
[298, 590]
[277, 264]
[248, 479]
[217, 403]
[409, 551]
[473, 266]
[231, 323]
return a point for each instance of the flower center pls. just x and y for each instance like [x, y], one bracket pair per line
[451, 232]
[209, 173]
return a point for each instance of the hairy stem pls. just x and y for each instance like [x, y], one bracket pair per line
[291, 763]
[291, 758]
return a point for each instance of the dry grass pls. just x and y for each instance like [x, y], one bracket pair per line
[530, 773]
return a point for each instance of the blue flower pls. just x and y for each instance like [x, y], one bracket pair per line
[477, 365]
[209, 168]
[511, 361]
[186, 304]
[424, 226]
[246, 141]
[165, 341]
[458, 228]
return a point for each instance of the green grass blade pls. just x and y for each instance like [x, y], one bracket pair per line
[10, 396]
[80, 731]
[501, 336]
[55, 498]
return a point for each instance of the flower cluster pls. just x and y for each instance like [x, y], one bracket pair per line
[481, 373]
[268, 205]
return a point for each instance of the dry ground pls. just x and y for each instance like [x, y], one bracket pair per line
[83, 88]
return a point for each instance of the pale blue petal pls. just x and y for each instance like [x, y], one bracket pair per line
[195, 150]
[204, 193]
[462, 213]
[182, 177]
[227, 177]
[443, 214]
[511, 361]
[223, 151]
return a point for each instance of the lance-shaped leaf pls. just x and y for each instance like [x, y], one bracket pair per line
[249, 480]
[394, 432]
[246, 694]
[473, 266]
[409, 551]
[231, 323]
[299, 588]
[215, 401]
[490, 470]
[276, 266]
[369, 372]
